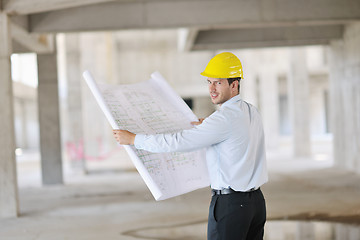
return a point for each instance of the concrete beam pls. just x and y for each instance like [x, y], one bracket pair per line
[25, 42]
[9, 202]
[196, 13]
[18, 48]
[266, 37]
[36, 6]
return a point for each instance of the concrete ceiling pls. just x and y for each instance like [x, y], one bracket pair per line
[210, 24]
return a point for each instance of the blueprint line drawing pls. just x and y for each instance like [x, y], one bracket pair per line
[152, 107]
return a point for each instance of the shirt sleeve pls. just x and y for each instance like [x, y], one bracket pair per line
[213, 130]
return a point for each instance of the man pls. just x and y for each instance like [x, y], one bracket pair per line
[234, 138]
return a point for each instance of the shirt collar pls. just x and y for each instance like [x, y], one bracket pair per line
[231, 101]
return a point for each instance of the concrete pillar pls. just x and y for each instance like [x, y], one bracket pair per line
[337, 101]
[249, 89]
[48, 104]
[298, 89]
[345, 98]
[21, 121]
[269, 91]
[9, 206]
[74, 137]
[319, 103]
[92, 47]
[24, 121]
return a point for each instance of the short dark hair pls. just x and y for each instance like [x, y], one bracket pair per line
[231, 80]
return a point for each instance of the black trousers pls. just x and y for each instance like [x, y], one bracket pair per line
[237, 216]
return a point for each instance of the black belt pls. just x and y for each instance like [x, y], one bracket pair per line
[229, 191]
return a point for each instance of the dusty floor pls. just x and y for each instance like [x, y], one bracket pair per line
[114, 203]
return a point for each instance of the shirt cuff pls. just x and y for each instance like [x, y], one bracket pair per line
[139, 141]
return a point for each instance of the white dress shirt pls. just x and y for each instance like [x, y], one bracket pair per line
[234, 139]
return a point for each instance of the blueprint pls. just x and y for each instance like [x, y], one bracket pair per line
[151, 107]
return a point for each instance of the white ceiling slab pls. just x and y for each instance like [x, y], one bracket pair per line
[111, 16]
[36, 6]
[22, 7]
[210, 24]
[202, 14]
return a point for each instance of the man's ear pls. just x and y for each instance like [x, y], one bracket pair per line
[234, 85]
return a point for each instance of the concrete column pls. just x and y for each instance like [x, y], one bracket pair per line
[9, 206]
[298, 89]
[48, 103]
[98, 141]
[74, 136]
[24, 120]
[249, 89]
[337, 101]
[345, 98]
[21, 131]
[91, 47]
[269, 91]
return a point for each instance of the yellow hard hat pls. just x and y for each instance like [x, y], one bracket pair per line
[223, 65]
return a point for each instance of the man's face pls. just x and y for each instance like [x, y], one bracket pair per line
[220, 90]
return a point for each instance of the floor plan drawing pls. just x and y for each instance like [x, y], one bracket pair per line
[152, 107]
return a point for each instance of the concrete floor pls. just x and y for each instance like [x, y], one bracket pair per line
[115, 204]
